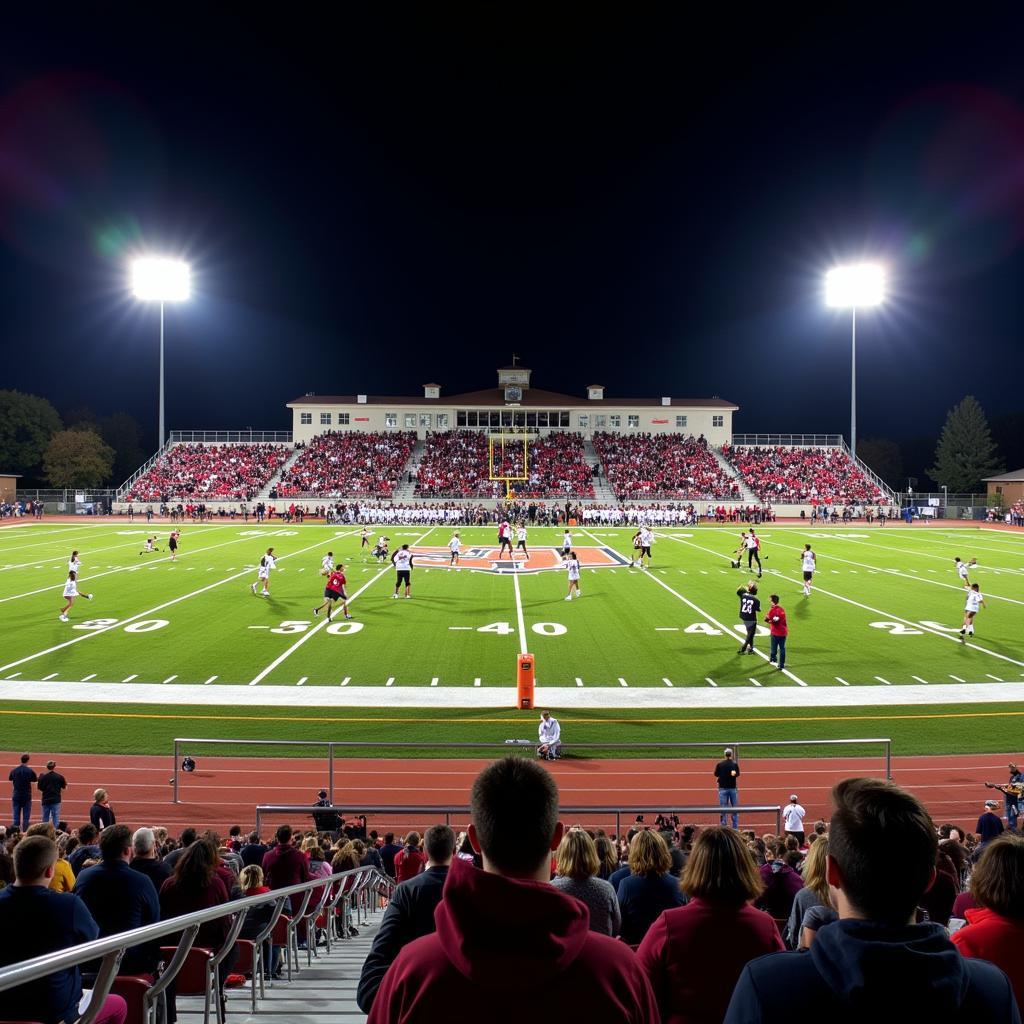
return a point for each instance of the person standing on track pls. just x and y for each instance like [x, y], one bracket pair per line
[402, 561]
[70, 593]
[779, 629]
[750, 605]
[267, 562]
[974, 602]
[808, 562]
[727, 772]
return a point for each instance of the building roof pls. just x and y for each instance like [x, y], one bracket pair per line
[1006, 478]
[533, 398]
[18, 475]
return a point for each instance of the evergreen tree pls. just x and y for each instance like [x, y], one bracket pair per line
[966, 453]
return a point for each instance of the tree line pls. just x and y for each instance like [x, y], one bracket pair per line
[80, 450]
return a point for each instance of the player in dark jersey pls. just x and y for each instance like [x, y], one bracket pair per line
[750, 607]
[172, 543]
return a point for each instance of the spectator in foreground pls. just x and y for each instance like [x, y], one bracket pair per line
[577, 865]
[35, 920]
[508, 943]
[410, 914]
[649, 889]
[781, 884]
[694, 954]
[144, 858]
[86, 849]
[995, 928]
[875, 960]
[813, 894]
[410, 861]
[63, 877]
[388, 852]
[989, 826]
[253, 851]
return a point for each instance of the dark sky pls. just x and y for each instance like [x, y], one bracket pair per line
[643, 201]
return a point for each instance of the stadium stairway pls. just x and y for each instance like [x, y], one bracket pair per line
[264, 495]
[602, 490]
[324, 993]
[406, 490]
[746, 494]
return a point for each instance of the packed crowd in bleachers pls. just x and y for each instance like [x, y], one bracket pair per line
[457, 463]
[669, 921]
[818, 475]
[668, 466]
[209, 471]
[351, 463]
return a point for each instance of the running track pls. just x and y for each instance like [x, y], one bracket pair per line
[224, 791]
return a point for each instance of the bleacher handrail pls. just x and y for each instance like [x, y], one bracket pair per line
[231, 437]
[890, 494]
[144, 468]
[463, 811]
[787, 441]
[41, 966]
[508, 746]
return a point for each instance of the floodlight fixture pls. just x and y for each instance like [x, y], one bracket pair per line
[855, 286]
[158, 279]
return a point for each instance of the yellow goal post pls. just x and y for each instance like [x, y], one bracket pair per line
[508, 459]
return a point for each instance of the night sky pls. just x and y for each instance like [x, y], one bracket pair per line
[646, 202]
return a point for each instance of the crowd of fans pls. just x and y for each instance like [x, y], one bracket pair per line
[817, 475]
[876, 907]
[351, 463]
[462, 464]
[209, 471]
[666, 466]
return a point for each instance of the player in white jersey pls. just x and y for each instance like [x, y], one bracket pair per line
[402, 561]
[566, 545]
[453, 546]
[572, 565]
[267, 562]
[380, 552]
[521, 541]
[364, 538]
[753, 545]
[974, 602]
[74, 563]
[70, 593]
[327, 564]
[646, 540]
[963, 570]
[808, 562]
[149, 547]
[505, 539]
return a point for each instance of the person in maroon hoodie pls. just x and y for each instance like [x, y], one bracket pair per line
[285, 864]
[781, 884]
[507, 942]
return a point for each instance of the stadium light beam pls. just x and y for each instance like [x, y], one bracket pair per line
[155, 279]
[861, 285]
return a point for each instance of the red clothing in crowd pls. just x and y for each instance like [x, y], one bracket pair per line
[284, 866]
[409, 863]
[506, 950]
[176, 900]
[694, 954]
[990, 936]
[776, 619]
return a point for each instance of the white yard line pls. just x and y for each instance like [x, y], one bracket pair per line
[867, 608]
[519, 609]
[260, 676]
[121, 623]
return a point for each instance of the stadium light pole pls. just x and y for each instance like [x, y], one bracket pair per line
[157, 279]
[860, 285]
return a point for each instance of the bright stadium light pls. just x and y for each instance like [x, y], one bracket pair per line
[155, 279]
[860, 285]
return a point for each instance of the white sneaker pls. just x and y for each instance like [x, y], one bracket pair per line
[253, 588]
[569, 597]
[394, 597]
[266, 593]
[407, 596]
[579, 593]
[63, 618]
[88, 597]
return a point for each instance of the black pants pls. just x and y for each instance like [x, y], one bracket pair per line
[751, 625]
[753, 556]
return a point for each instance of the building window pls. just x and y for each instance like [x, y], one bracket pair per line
[633, 421]
[718, 421]
[495, 419]
[584, 420]
[542, 419]
[616, 421]
[680, 421]
[410, 421]
[306, 418]
[425, 419]
[442, 421]
[391, 419]
[563, 419]
[600, 421]
[343, 419]
[325, 419]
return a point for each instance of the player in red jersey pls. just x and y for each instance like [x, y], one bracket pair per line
[334, 591]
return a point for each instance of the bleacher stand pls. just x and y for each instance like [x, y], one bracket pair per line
[212, 471]
[823, 475]
[354, 463]
[670, 466]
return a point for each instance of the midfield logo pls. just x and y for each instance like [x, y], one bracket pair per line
[485, 559]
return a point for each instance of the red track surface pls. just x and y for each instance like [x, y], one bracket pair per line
[225, 791]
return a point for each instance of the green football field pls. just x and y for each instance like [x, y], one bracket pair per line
[885, 611]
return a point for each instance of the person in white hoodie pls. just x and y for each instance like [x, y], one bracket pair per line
[550, 735]
[793, 819]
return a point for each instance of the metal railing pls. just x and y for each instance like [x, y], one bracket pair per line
[231, 436]
[787, 440]
[461, 813]
[111, 949]
[143, 469]
[886, 490]
[181, 745]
